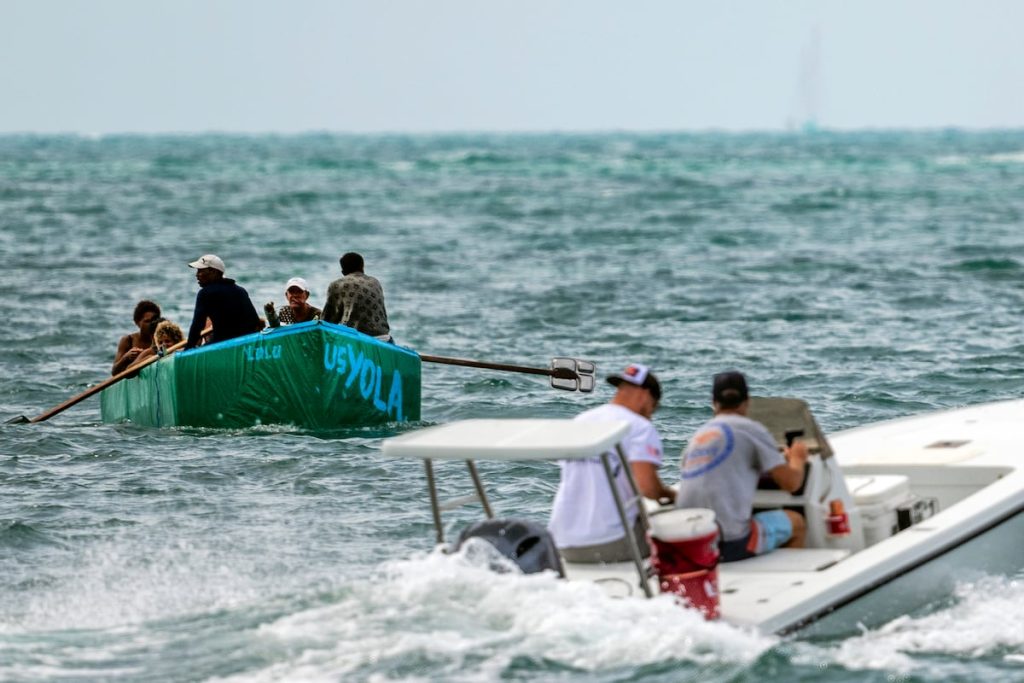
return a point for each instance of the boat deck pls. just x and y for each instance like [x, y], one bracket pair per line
[751, 590]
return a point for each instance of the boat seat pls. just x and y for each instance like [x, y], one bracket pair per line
[768, 499]
[782, 415]
[789, 560]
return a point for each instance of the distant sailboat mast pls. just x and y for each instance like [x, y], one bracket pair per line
[809, 91]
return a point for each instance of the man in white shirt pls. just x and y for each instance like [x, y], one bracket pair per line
[584, 520]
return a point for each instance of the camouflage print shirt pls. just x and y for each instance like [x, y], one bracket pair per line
[357, 300]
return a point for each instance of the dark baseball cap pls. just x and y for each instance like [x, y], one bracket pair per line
[637, 375]
[730, 389]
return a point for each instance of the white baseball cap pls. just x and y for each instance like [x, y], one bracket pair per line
[637, 375]
[208, 261]
[297, 282]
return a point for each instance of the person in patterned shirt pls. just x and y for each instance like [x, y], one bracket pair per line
[298, 310]
[357, 300]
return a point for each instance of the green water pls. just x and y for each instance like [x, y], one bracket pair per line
[873, 274]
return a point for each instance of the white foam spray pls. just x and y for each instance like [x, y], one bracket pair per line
[458, 619]
[985, 621]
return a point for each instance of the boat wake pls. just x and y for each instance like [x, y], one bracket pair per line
[984, 622]
[452, 617]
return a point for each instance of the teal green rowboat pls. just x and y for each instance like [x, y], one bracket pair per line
[316, 375]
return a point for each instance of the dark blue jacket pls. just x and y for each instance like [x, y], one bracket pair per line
[230, 309]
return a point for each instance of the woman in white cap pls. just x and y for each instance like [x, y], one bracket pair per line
[298, 310]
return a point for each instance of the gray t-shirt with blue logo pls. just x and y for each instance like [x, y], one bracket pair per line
[721, 466]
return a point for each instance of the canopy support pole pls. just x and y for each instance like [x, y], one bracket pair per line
[435, 507]
[479, 486]
[634, 549]
[641, 508]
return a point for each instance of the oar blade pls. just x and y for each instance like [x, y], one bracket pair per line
[19, 420]
[572, 374]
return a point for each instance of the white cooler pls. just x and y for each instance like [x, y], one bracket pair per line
[877, 496]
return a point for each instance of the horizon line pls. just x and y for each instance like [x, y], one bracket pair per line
[446, 132]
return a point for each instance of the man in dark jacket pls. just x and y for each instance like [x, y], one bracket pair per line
[222, 301]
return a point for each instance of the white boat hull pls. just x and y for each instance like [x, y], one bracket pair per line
[932, 500]
[996, 551]
[969, 462]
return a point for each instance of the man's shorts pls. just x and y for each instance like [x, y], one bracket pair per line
[768, 530]
[613, 551]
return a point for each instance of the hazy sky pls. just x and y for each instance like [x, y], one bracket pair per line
[196, 65]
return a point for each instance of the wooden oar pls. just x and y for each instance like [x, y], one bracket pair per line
[569, 374]
[127, 372]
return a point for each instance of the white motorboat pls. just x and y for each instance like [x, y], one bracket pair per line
[898, 512]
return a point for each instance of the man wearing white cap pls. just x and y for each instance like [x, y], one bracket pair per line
[298, 310]
[584, 520]
[222, 301]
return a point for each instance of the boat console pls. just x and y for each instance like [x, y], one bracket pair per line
[851, 511]
[824, 500]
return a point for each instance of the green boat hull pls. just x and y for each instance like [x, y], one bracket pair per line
[316, 375]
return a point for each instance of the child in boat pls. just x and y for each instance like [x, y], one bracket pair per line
[166, 335]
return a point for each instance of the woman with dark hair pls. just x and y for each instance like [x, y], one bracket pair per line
[146, 317]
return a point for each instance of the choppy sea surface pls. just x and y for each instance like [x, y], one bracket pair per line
[875, 275]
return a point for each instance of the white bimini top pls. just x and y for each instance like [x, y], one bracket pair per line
[524, 439]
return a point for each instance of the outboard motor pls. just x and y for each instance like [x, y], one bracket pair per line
[526, 543]
[684, 553]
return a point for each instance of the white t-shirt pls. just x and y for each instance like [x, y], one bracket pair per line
[584, 513]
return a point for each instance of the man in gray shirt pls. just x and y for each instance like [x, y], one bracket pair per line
[357, 300]
[721, 467]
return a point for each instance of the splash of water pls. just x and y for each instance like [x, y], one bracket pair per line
[450, 616]
[984, 621]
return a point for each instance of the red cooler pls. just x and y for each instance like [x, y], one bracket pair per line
[684, 553]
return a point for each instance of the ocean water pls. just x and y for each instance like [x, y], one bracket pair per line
[874, 274]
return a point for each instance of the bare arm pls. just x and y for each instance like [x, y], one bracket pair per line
[647, 480]
[146, 353]
[125, 356]
[790, 476]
